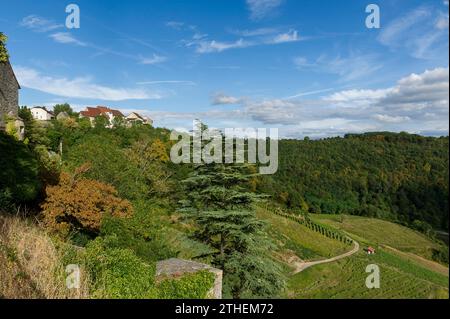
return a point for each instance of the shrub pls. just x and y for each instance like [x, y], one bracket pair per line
[118, 273]
[19, 180]
[190, 286]
[80, 204]
[143, 233]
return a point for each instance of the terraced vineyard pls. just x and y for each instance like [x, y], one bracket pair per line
[346, 279]
[380, 232]
[304, 242]
[401, 276]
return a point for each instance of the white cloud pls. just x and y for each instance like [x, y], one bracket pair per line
[66, 38]
[217, 46]
[260, 9]
[252, 38]
[221, 98]
[357, 95]
[39, 24]
[166, 82]
[391, 119]
[428, 90]
[81, 87]
[418, 103]
[255, 32]
[155, 59]
[290, 36]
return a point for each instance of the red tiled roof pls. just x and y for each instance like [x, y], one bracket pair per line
[99, 110]
[116, 113]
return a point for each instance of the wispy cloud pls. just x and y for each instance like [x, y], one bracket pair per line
[260, 9]
[166, 82]
[177, 25]
[348, 68]
[254, 32]
[419, 31]
[314, 92]
[155, 59]
[252, 38]
[223, 99]
[218, 46]
[39, 24]
[66, 38]
[290, 36]
[80, 87]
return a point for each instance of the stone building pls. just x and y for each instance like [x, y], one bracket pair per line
[9, 97]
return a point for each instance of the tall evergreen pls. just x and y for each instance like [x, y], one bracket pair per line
[220, 205]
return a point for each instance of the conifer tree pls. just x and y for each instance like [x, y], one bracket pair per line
[220, 205]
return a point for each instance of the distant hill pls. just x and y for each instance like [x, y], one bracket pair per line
[395, 176]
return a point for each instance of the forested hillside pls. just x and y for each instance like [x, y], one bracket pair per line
[399, 177]
[111, 201]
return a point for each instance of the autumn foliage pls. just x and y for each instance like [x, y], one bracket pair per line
[77, 203]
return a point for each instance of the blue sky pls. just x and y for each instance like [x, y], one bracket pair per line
[306, 67]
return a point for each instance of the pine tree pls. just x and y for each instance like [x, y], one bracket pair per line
[220, 205]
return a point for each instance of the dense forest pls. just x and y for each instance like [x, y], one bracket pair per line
[399, 177]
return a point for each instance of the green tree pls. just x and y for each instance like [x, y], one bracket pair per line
[58, 108]
[221, 208]
[101, 121]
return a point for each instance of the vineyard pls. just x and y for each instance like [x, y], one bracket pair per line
[294, 237]
[346, 279]
[317, 227]
[400, 277]
[379, 232]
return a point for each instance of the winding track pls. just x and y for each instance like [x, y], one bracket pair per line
[300, 266]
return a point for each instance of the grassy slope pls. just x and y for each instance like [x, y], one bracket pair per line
[305, 243]
[379, 232]
[401, 277]
[346, 279]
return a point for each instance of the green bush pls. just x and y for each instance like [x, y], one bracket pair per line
[143, 233]
[19, 181]
[119, 273]
[190, 286]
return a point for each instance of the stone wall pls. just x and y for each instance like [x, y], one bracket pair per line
[175, 267]
[9, 91]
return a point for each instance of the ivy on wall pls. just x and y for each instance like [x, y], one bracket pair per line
[190, 286]
[3, 52]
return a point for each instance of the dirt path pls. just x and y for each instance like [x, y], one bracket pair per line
[301, 265]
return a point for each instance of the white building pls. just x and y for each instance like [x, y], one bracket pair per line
[134, 117]
[42, 114]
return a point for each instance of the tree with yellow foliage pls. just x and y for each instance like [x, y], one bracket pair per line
[80, 204]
